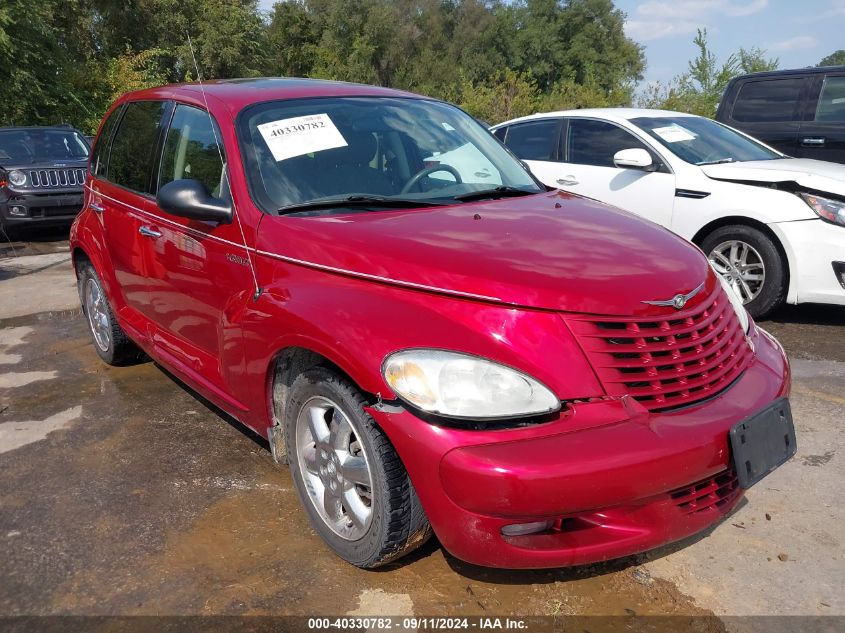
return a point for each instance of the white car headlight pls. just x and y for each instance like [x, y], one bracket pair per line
[17, 177]
[736, 302]
[464, 386]
[830, 210]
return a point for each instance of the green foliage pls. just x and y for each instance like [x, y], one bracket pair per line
[699, 90]
[834, 59]
[509, 95]
[66, 60]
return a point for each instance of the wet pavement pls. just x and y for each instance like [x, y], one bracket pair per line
[121, 492]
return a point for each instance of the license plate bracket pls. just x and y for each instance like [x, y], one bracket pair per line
[763, 442]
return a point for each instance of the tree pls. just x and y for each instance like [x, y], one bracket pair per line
[834, 59]
[510, 95]
[699, 90]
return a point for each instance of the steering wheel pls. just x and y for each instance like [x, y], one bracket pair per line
[427, 171]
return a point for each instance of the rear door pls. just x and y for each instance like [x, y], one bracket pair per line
[587, 168]
[822, 133]
[199, 275]
[123, 191]
[770, 109]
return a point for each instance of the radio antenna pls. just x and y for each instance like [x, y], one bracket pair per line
[219, 145]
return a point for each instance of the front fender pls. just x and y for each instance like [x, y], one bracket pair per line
[356, 323]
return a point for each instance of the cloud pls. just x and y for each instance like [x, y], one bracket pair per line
[795, 43]
[644, 30]
[837, 9]
[657, 19]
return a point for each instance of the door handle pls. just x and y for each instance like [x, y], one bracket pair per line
[148, 232]
[814, 141]
[567, 181]
[96, 208]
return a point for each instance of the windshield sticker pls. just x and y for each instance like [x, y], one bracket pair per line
[301, 135]
[674, 133]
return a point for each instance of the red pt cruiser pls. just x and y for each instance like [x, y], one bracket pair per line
[431, 339]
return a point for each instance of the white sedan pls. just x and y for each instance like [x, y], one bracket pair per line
[774, 226]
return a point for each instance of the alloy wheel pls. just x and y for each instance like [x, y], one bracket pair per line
[741, 266]
[98, 314]
[334, 467]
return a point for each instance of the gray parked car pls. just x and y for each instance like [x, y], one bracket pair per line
[42, 173]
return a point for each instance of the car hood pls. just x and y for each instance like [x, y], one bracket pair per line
[817, 175]
[551, 251]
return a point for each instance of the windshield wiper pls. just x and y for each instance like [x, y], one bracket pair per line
[356, 201]
[717, 162]
[502, 191]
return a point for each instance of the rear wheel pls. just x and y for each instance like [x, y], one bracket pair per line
[750, 262]
[348, 476]
[110, 341]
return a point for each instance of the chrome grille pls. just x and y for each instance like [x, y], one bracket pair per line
[666, 363]
[57, 177]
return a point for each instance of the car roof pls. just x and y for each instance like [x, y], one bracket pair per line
[791, 71]
[238, 93]
[609, 114]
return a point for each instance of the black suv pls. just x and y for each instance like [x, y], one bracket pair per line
[800, 112]
[42, 172]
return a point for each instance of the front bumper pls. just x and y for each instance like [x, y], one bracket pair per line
[56, 207]
[615, 479]
[815, 245]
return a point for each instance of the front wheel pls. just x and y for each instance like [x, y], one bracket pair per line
[750, 262]
[348, 476]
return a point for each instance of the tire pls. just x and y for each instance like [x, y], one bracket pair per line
[393, 524]
[761, 256]
[110, 341]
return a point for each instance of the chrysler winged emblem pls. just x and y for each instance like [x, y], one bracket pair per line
[679, 300]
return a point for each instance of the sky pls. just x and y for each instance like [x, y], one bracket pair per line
[798, 32]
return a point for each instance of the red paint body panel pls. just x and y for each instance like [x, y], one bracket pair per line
[355, 288]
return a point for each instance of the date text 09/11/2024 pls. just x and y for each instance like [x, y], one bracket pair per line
[388, 623]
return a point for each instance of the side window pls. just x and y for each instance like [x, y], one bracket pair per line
[831, 107]
[534, 140]
[99, 156]
[768, 100]
[133, 148]
[190, 150]
[591, 142]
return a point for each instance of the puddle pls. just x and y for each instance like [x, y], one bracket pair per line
[14, 435]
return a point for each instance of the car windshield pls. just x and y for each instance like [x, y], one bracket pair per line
[306, 150]
[701, 141]
[30, 146]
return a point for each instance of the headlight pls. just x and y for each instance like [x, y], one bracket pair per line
[17, 177]
[463, 386]
[830, 210]
[736, 302]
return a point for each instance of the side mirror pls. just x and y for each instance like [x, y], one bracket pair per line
[636, 158]
[191, 199]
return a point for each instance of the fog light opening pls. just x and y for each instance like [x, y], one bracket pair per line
[839, 269]
[523, 529]
[17, 211]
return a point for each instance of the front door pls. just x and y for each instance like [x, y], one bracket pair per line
[823, 136]
[199, 276]
[587, 168]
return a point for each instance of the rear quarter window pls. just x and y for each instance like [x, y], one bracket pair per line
[99, 157]
[768, 100]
